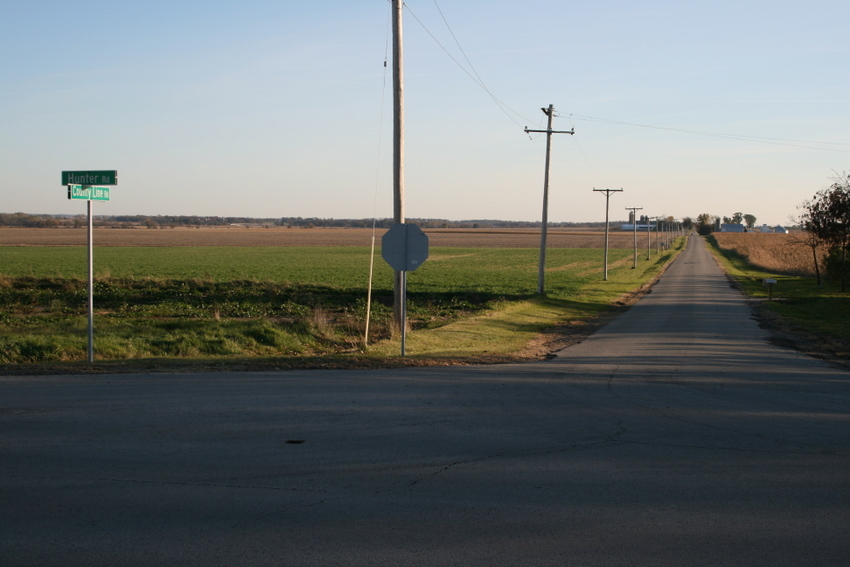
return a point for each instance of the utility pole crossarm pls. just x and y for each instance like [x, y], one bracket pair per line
[527, 131]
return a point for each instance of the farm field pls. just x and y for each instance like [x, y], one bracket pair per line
[498, 271]
[283, 301]
[277, 236]
[810, 317]
[780, 253]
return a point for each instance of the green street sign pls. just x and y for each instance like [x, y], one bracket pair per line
[88, 192]
[90, 177]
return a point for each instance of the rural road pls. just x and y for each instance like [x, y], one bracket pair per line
[675, 436]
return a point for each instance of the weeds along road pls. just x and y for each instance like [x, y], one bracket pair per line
[674, 436]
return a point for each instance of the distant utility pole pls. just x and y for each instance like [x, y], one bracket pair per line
[550, 112]
[648, 239]
[657, 230]
[607, 199]
[634, 211]
[398, 147]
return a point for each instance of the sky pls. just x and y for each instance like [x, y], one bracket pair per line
[283, 108]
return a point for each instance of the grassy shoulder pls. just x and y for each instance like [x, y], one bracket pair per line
[535, 327]
[164, 325]
[815, 319]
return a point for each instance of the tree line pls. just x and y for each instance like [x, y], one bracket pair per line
[706, 223]
[172, 221]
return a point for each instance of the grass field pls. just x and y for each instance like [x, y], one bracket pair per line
[237, 301]
[509, 271]
[335, 237]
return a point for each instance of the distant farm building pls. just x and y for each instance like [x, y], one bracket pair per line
[643, 224]
[732, 228]
[773, 229]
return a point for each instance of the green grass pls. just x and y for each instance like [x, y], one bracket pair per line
[238, 302]
[506, 271]
[822, 311]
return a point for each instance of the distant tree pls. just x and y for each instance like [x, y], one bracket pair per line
[810, 239]
[827, 217]
[750, 220]
[737, 218]
[705, 224]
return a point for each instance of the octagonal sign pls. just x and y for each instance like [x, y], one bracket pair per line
[404, 247]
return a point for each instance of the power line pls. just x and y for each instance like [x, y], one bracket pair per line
[755, 139]
[454, 37]
[476, 78]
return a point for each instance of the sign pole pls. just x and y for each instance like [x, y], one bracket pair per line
[403, 311]
[404, 247]
[91, 282]
[85, 185]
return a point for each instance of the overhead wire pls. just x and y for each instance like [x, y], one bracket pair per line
[506, 110]
[754, 139]
[581, 151]
[472, 73]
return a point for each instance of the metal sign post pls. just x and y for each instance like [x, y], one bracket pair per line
[404, 247]
[79, 187]
[90, 241]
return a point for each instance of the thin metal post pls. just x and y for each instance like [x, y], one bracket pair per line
[91, 282]
[403, 312]
[648, 240]
[403, 319]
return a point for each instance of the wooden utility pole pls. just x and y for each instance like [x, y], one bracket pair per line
[657, 229]
[550, 112]
[634, 211]
[607, 199]
[398, 148]
[649, 236]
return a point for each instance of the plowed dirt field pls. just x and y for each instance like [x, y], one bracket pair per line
[237, 236]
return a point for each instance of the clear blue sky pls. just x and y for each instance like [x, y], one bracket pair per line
[274, 108]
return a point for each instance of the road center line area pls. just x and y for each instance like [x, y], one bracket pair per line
[676, 435]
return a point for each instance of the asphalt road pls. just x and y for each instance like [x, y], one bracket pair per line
[674, 436]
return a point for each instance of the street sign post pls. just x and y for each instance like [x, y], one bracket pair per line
[86, 185]
[405, 248]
